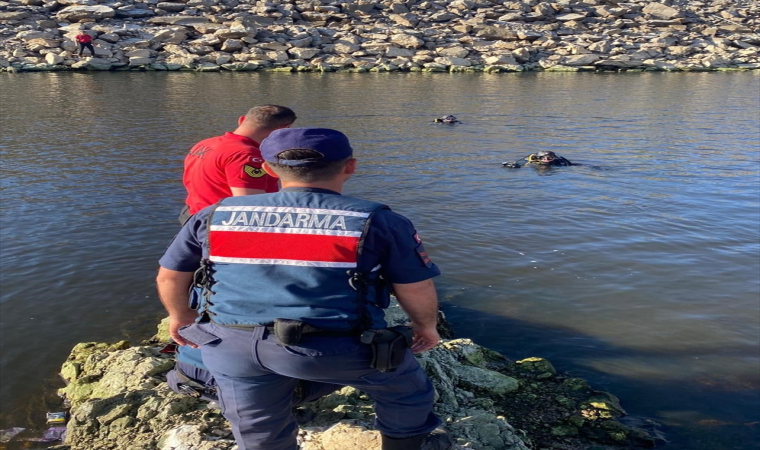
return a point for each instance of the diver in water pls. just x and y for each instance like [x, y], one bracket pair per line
[542, 158]
[447, 119]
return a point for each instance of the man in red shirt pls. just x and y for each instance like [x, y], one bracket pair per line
[85, 41]
[230, 165]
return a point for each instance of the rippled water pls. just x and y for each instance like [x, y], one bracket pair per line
[639, 270]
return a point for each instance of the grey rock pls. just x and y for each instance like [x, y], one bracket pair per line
[484, 380]
[110, 38]
[450, 61]
[407, 20]
[13, 16]
[442, 16]
[570, 17]
[241, 67]
[511, 17]
[303, 53]
[206, 27]
[30, 35]
[139, 53]
[580, 60]
[232, 45]
[395, 52]
[178, 20]
[343, 46]
[455, 52]
[91, 64]
[200, 49]
[38, 67]
[180, 61]
[79, 13]
[232, 33]
[496, 33]
[131, 12]
[660, 11]
[407, 41]
[600, 47]
[171, 6]
[501, 60]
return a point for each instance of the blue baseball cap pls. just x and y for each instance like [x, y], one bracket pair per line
[331, 144]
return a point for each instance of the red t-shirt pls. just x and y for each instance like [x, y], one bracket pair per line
[215, 165]
[84, 38]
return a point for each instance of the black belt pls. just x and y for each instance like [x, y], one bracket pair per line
[291, 331]
[316, 332]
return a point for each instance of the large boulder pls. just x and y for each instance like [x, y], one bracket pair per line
[33, 34]
[78, 13]
[13, 16]
[660, 11]
[178, 20]
[493, 32]
[581, 60]
[407, 41]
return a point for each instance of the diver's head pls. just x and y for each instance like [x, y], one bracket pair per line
[545, 157]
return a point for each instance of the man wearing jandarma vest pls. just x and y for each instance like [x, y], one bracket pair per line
[294, 286]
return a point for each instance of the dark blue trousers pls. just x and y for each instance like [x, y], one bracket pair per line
[256, 377]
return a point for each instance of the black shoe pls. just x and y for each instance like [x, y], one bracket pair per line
[438, 439]
[408, 443]
[304, 415]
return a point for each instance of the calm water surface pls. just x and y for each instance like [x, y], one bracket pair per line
[639, 270]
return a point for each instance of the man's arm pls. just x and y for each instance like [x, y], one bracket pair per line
[244, 174]
[517, 164]
[420, 302]
[236, 191]
[173, 288]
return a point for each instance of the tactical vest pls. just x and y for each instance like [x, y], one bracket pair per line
[292, 255]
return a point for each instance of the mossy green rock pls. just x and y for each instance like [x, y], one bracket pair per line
[486, 380]
[81, 351]
[539, 367]
[607, 402]
[162, 335]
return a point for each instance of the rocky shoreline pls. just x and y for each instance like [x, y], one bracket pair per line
[382, 35]
[119, 400]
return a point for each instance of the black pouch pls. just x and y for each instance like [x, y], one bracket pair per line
[388, 346]
[288, 331]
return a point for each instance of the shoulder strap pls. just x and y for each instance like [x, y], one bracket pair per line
[359, 280]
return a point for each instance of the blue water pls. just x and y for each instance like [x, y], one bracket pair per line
[638, 270]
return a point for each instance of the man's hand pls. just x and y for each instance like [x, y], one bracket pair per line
[173, 289]
[420, 303]
[424, 338]
[179, 321]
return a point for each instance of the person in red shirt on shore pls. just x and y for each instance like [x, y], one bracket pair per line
[85, 42]
[230, 165]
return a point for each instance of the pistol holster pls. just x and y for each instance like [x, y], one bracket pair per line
[388, 346]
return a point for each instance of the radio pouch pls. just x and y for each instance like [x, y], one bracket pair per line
[388, 346]
[288, 331]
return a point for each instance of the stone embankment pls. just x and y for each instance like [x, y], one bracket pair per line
[382, 35]
[120, 401]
